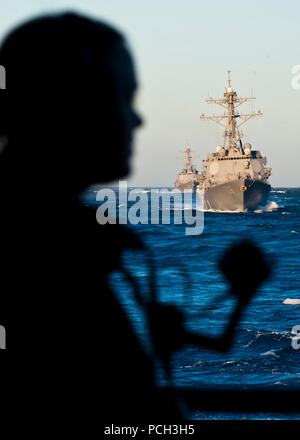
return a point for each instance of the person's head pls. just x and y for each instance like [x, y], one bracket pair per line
[68, 111]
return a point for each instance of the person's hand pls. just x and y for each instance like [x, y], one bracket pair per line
[245, 267]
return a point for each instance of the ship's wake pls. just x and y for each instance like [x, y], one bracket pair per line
[236, 211]
[269, 207]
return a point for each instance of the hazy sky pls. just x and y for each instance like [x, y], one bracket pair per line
[182, 51]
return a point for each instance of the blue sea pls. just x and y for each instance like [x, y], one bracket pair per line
[188, 275]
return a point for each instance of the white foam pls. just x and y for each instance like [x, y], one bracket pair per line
[292, 301]
[270, 353]
[278, 191]
[269, 207]
[225, 212]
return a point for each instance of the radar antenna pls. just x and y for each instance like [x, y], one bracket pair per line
[232, 132]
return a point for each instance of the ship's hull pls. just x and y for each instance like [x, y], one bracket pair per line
[240, 195]
[187, 186]
[187, 183]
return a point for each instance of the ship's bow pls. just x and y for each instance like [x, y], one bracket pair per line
[239, 195]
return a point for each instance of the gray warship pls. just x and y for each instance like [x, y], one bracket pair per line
[189, 177]
[235, 177]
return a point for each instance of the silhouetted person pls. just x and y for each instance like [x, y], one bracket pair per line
[68, 120]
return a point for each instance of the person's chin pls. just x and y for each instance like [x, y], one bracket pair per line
[119, 172]
[124, 171]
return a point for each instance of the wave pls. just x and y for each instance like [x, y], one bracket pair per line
[182, 209]
[189, 208]
[292, 301]
[278, 191]
[236, 211]
[259, 338]
[270, 353]
[269, 207]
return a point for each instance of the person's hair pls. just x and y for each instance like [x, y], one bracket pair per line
[54, 66]
[57, 49]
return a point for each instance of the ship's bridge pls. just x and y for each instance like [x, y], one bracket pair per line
[234, 164]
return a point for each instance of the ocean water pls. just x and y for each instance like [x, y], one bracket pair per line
[187, 275]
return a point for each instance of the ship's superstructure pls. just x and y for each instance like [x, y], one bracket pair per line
[235, 177]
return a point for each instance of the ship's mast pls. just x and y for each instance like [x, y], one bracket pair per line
[230, 102]
[188, 158]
